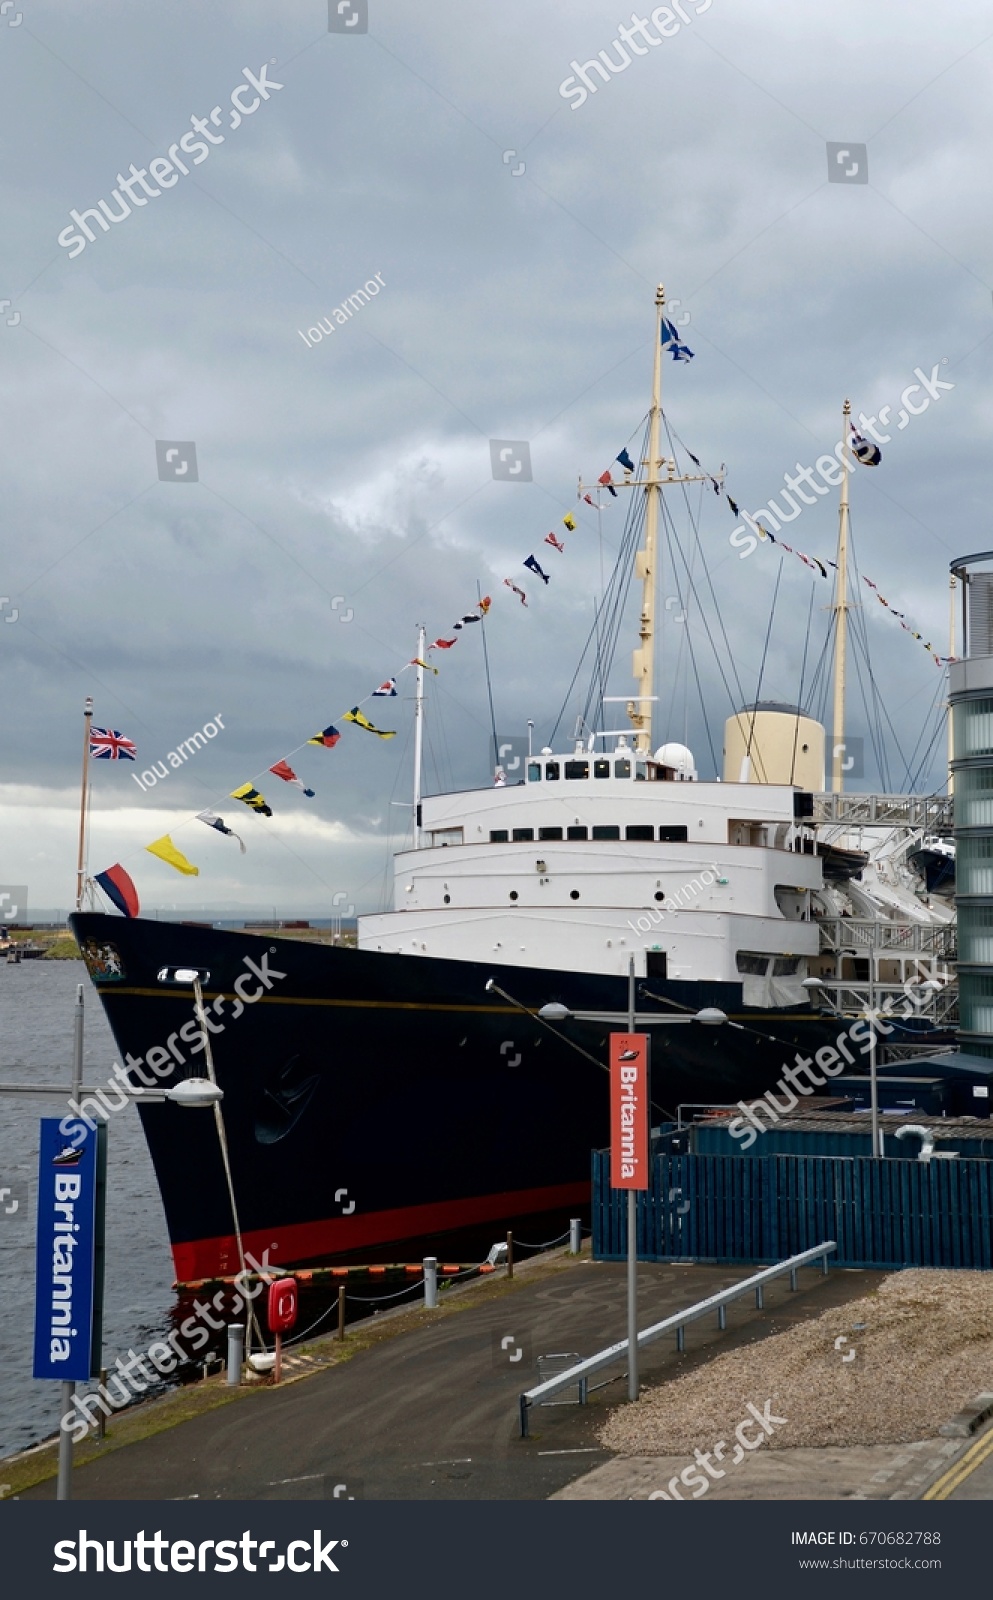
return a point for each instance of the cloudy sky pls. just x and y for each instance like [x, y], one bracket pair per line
[344, 491]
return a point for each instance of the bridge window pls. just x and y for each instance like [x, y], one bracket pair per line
[622, 768]
[753, 963]
[499, 836]
[534, 772]
[601, 769]
[443, 836]
[640, 770]
[639, 830]
[551, 771]
[606, 833]
[522, 834]
[577, 769]
[785, 966]
[670, 835]
[549, 833]
[577, 833]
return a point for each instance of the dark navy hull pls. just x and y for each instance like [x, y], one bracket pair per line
[375, 1102]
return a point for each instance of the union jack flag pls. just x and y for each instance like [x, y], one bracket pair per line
[106, 744]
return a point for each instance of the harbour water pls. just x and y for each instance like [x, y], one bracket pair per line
[36, 1014]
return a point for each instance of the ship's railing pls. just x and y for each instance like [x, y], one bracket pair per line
[939, 1006]
[932, 813]
[904, 938]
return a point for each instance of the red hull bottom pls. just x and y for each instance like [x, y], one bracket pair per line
[307, 1242]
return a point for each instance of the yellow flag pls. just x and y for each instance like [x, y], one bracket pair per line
[361, 721]
[570, 522]
[166, 851]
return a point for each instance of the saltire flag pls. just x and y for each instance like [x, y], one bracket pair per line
[386, 689]
[570, 521]
[106, 744]
[167, 852]
[417, 662]
[533, 564]
[442, 644]
[214, 821]
[670, 342]
[605, 479]
[865, 451]
[355, 715]
[625, 460]
[551, 539]
[328, 737]
[250, 797]
[119, 889]
[283, 770]
[519, 592]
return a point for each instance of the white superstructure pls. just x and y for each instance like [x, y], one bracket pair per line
[600, 855]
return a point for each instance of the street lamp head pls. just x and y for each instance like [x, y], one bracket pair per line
[555, 1011]
[711, 1017]
[195, 1092]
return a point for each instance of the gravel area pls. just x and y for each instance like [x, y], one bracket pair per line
[926, 1350]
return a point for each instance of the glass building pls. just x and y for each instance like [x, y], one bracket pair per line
[971, 700]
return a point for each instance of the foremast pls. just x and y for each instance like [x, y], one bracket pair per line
[841, 609]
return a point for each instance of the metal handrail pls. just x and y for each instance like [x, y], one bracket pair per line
[675, 1324]
[852, 932]
[932, 813]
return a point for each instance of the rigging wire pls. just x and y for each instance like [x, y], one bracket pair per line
[765, 653]
[799, 698]
[489, 680]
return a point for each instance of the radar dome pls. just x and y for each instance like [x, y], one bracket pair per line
[678, 757]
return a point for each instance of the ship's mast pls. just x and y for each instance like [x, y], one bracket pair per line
[646, 563]
[418, 734]
[951, 658]
[840, 609]
[658, 470]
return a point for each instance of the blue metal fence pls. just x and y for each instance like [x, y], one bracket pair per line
[722, 1208]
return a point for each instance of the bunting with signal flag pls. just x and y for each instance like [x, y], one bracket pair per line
[328, 737]
[442, 644]
[119, 889]
[625, 459]
[532, 563]
[355, 715]
[608, 483]
[417, 662]
[386, 689]
[570, 521]
[283, 770]
[252, 799]
[522, 597]
[555, 543]
[167, 852]
[214, 821]
[106, 744]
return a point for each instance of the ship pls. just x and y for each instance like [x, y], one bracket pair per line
[447, 1079]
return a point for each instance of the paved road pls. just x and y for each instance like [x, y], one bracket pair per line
[432, 1413]
[971, 1478]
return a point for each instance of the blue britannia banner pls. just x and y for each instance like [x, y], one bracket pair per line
[69, 1258]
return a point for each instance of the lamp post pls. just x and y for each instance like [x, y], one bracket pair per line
[555, 1012]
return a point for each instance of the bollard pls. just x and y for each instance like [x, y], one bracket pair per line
[236, 1352]
[510, 1254]
[575, 1235]
[430, 1282]
[341, 1311]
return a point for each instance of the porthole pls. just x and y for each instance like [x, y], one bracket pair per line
[573, 894]
[513, 894]
[448, 899]
[659, 895]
